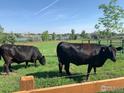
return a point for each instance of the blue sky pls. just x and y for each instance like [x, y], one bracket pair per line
[58, 16]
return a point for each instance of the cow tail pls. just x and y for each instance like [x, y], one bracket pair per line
[59, 51]
[0, 53]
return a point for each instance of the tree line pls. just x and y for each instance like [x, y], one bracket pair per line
[46, 36]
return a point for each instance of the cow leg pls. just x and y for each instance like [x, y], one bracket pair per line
[10, 68]
[6, 68]
[94, 70]
[67, 69]
[35, 64]
[60, 67]
[88, 71]
[6, 64]
[26, 64]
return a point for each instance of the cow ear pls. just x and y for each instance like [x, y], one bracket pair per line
[119, 48]
[43, 56]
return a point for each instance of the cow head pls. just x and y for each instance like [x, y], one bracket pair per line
[42, 60]
[110, 52]
[113, 51]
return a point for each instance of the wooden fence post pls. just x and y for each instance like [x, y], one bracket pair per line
[110, 42]
[27, 83]
[88, 41]
[82, 41]
[99, 42]
[123, 45]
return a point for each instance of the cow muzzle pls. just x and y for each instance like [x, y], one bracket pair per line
[114, 60]
[43, 60]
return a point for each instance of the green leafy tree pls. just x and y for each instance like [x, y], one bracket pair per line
[73, 36]
[1, 29]
[53, 36]
[11, 38]
[45, 36]
[2, 35]
[7, 38]
[94, 35]
[111, 20]
[83, 34]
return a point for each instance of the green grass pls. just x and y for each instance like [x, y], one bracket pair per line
[47, 75]
[115, 91]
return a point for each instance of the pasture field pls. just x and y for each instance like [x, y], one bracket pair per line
[47, 75]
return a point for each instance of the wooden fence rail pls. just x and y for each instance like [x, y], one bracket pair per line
[87, 87]
[106, 42]
[115, 43]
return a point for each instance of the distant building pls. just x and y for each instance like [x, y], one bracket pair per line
[28, 37]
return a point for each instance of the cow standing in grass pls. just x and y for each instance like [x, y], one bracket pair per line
[94, 55]
[19, 54]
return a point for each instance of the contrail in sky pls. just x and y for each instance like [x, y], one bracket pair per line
[46, 7]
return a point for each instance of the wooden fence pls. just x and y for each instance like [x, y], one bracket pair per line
[106, 42]
[115, 43]
[27, 86]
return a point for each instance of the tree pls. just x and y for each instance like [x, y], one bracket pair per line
[53, 36]
[94, 35]
[102, 34]
[84, 34]
[111, 20]
[2, 35]
[73, 35]
[45, 36]
[1, 29]
[59, 36]
[11, 38]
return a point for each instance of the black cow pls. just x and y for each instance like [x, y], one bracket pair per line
[19, 54]
[94, 55]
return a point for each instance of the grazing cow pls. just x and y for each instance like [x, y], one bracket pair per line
[19, 54]
[94, 55]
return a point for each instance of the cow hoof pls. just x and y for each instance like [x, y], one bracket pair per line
[14, 71]
[86, 80]
[36, 65]
[94, 73]
[69, 74]
[11, 70]
[60, 72]
[4, 73]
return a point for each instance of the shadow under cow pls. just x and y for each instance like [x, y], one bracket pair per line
[15, 67]
[78, 77]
